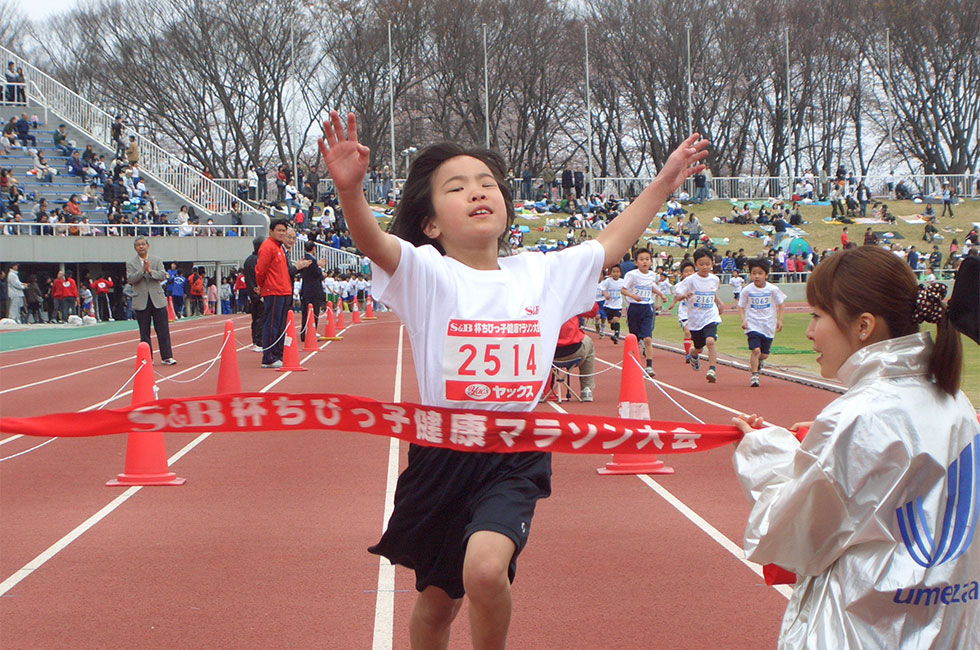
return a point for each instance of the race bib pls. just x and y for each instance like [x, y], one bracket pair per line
[703, 300]
[759, 302]
[492, 361]
[645, 293]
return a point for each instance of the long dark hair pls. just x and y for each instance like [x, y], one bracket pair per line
[869, 279]
[415, 206]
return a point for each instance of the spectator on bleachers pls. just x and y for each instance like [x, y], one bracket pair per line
[132, 151]
[72, 207]
[115, 134]
[45, 173]
[92, 195]
[77, 168]
[10, 76]
[88, 156]
[21, 87]
[10, 132]
[61, 140]
[24, 131]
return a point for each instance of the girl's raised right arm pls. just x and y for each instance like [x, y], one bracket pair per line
[347, 161]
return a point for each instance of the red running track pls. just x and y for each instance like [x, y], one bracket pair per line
[265, 546]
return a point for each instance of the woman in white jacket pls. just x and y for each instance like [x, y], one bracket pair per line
[876, 509]
[15, 292]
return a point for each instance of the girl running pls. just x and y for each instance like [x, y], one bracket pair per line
[611, 292]
[461, 519]
[875, 510]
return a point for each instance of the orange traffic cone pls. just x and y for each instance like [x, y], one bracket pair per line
[369, 309]
[228, 377]
[146, 456]
[309, 342]
[330, 329]
[633, 404]
[290, 352]
[355, 313]
[171, 314]
[340, 315]
[687, 346]
[207, 307]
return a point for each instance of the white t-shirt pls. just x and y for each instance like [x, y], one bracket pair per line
[665, 287]
[702, 310]
[599, 298]
[486, 339]
[760, 307]
[641, 284]
[612, 287]
[737, 283]
[682, 306]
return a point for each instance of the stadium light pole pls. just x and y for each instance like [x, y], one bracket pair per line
[588, 110]
[292, 71]
[789, 114]
[486, 85]
[391, 102]
[888, 95]
[690, 115]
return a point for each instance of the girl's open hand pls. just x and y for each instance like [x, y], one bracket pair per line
[684, 162]
[747, 423]
[346, 158]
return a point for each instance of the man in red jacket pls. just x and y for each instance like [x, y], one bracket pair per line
[276, 289]
[101, 289]
[573, 343]
[195, 282]
[64, 293]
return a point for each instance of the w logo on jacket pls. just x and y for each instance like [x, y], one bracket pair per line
[959, 518]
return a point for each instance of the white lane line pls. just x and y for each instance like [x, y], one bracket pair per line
[105, 365]
[701, 523]
[127, 341]
[63, 543]
[710, 530]
[384, 604]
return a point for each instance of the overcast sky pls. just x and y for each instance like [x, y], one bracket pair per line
[39, 9]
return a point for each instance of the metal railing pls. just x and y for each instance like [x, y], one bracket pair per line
[156, 163]
[335, 258]
[101, 228]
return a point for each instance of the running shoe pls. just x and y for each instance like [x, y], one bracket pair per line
[695, 362]
[586, 394]
[258, 348]
[599, 329]
[754, 381]
[710, 376]
[169, 362]
[275, 364]
[615, 337]
[687, 358]
[650, 372]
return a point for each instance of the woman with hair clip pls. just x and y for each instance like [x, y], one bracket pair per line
[875, 510]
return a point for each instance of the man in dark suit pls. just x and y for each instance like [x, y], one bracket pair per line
[311, 292]
[145, 273]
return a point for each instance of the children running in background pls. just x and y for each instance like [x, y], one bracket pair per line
[761, 309]
[640, 287]
[704, 311]
[736, 282]
[613, 306]
[686, 270]
[600, 300]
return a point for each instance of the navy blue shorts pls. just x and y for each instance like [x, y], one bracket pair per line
[444, 496]
[756, 340]
[639, 320]
[700, 337]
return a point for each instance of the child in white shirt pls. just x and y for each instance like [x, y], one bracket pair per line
[686, 269]
[761, 309]
[611, 287]
[704, 313]
[737, 282]
[640, 287]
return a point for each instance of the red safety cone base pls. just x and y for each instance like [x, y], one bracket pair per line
[634, 464]
[126, 480]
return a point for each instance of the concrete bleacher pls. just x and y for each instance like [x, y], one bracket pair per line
[20, 161]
